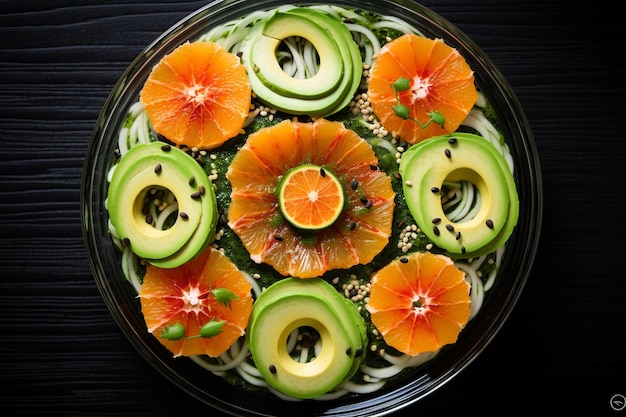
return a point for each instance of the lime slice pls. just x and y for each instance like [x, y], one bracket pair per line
[310, 197]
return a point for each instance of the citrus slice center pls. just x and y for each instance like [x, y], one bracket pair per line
[310, 197]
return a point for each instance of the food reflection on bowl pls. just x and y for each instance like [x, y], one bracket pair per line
[252, 221]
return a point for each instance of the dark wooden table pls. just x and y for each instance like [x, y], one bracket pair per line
[563, 349]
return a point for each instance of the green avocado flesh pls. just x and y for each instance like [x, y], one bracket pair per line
[283, 26]
[146, 167]
[317, 95]
[456, 157]
[294, 303]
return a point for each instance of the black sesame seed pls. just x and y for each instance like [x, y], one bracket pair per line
[183, 215]
[352, 225]
[404, 260]
[322, 172]
[192, 180]
[402, 224]
[158, 168]
[358, 352]
[368, 204]
[450, 228]
[447, 152]
[489, 223]
[354, 184]
[435, 189]
[452, 141]
[196, 195]
[462, 249]
[436, 230]
[200, 160]
[363, 200]
[166, 148]
[458, 235]
[201, 189]
[126, 241]
[349, 351]
[149, 219]
[436, 220]
[272, 369]
[278, 238]
[373, 167]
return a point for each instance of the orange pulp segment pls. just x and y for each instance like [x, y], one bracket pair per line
[199, 95]
[360, 232]
[419, 303]
[183, 295]
[310, 197]
[440, 81]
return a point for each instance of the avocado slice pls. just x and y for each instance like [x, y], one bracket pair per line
[513, 213]
[281, 26]
[348, 48]
[292, 303]
[455, 157]
[276, 89]
[156, 165]
[319, 287]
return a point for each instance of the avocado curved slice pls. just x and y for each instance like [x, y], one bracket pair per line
[327, 104]
[281, 26]
[292, 303]
[134, 175]
[456, 157]
[347, 46]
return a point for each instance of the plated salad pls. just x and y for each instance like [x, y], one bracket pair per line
[311, 201]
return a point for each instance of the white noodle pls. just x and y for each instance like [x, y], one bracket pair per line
[363, 388]
[171, 208]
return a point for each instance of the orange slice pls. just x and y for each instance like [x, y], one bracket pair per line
[440, 80]
[419, 303]
[198, 95]
[188, 295]
[310, 197]
[360, 232]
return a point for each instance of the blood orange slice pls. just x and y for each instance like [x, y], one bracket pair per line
[198, 95]
[439, 80]
[419, 303]
[359, 233]
[207, 289]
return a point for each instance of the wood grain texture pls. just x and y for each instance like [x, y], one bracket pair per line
[62, 354]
